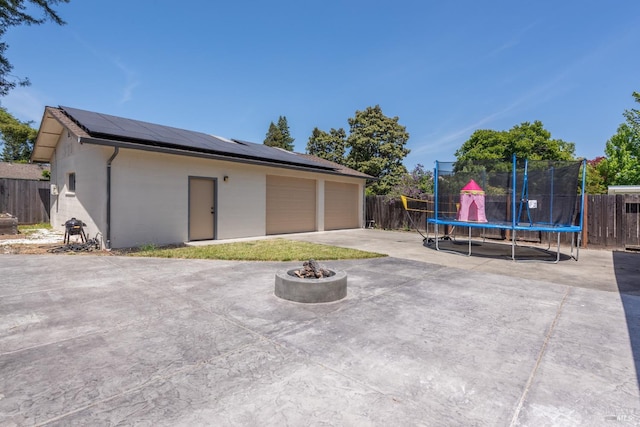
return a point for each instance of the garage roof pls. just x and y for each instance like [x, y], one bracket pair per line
[104, 129]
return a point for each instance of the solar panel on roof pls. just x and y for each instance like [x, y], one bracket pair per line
[111, 127]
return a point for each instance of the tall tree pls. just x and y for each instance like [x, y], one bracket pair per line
[622, 163]
[273, 138]
[14, 13]
[17, 138]
[376, 146]
[330, 146]
[526, 140]
[287, 140]
[278, 135]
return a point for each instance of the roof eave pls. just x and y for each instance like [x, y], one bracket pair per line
[48, 136]
[204, 155]
[53, 125]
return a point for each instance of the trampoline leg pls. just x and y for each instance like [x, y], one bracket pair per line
[548, 240]
[558, 250]
[426, 229]
[579, 241]
[513, 245]
[572, 241]
[437, 236]
[469, 241]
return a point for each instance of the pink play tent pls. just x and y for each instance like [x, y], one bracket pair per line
[472, 203]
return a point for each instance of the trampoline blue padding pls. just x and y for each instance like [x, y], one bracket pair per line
[550, 228]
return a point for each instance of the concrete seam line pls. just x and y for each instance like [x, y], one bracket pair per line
[408, 282]
[50, 343]
[61, 288]
[541, 354]
[103, 331]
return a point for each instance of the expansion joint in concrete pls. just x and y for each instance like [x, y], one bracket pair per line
[543, 349]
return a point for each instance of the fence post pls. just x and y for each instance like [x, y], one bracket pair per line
[585, 222]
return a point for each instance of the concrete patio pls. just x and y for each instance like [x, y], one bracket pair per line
[422, 338]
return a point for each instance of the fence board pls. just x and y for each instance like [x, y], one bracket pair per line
[631, 214]
[591, 222]
[601, 223]
[611, 221]
[27, 200]
[620, 221]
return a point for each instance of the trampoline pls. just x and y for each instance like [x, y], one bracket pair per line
[521, 196]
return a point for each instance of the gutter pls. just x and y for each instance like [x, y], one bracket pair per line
[108, 231]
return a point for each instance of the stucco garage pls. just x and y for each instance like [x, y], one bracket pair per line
[135, 183]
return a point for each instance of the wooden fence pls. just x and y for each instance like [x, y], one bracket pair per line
[614, 221]
[611, 221]
[28, 200]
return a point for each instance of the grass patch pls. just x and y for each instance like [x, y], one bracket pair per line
[149, 247]
[32, 228]
[259, 250]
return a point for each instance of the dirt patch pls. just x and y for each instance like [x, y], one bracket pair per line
[10, 236]
[45, 241]
[39, 241]
[58, 249]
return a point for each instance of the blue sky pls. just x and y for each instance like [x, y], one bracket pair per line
[444, 68]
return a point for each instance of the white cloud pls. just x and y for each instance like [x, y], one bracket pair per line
[544, 92]
[131, 79]
[461, 133]
[512, 42]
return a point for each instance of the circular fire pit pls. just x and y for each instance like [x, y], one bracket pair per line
[311, 290]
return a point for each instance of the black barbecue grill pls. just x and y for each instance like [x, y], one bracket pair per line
[74, 227]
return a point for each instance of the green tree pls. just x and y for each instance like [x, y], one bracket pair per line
[621, 165]
[526, 140]
[633, 115]
[278, 135]
[417, 184]
[595, 182]
[330, 146]
[17, 138]
[287, 140]
[14, 13]
[376, 145]
[274, 137]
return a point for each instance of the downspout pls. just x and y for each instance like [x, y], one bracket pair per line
[113, 156]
